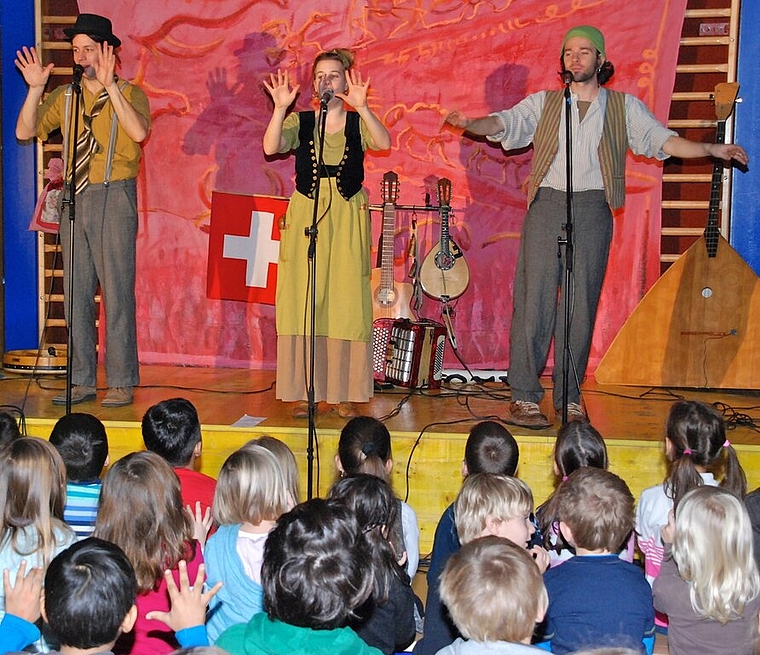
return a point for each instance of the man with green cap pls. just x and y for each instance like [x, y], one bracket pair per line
[605, 125]
[114, 118]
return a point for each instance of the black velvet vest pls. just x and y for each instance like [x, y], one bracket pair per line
[349, 173]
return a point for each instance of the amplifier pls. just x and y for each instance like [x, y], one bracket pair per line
[408, 354]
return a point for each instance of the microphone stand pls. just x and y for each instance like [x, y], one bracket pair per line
[568, 243]
[71, 200]
[311, 233]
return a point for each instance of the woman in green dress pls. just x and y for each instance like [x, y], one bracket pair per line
[343, 314]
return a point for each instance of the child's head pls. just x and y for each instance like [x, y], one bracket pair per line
[597, 507]
[9, 430]
[494, 591]
[172, 429]
[490, 448]
[141, 511]
[579, 444]
[315, 571]
[251, 488]
[365, 447]
[32, 491]
[90, 591]
[696, 441]
[82, 442]
[713, 548]
[287, 461]
[494, 504]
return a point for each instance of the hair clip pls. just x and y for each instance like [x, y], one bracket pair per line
[687, 451]
[726, 443]
[564, 478]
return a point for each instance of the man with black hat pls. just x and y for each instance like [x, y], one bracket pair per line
[114, 120]
[605, 125]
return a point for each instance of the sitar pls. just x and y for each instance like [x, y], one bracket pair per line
[444, 274]
[390, 299]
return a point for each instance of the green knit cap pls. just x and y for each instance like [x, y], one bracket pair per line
[588, 32]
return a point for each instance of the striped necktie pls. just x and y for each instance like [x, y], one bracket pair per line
[86, 143]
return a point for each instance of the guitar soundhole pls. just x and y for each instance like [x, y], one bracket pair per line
[707, 292]
[386, 297]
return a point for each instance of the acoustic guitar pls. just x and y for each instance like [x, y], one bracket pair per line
[390, 299]
[444, 274]
[700, 323]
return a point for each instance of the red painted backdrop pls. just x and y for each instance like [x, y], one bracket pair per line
[202, 64]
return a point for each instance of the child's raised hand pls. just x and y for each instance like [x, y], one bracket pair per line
[202, 522]
[188, 603]
[541, 557]
[23, 598]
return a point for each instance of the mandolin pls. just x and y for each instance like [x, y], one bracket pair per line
[444, 274]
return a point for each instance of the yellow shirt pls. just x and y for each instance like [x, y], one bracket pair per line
[127, 152]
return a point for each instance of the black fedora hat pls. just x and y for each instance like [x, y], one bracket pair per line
[96, 27]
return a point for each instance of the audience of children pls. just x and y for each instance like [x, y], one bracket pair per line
[365, 447]
[315, 578]
[709, 585]
[142, 512]
[323, 566]
[251, 494]
[490, 448]
[83, 445]
[596, 598]
[32, 496]
[495, 595]
[389, 623]
[172, 429]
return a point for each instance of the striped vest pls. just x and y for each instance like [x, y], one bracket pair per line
[612, 146]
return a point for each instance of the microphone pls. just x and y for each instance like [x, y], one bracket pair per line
[567, 77]
[327, 95]
[78, 72]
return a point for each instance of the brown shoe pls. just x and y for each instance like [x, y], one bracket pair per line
[79, 394]
[301, 409]
[574, 413]
[527, 415]
[346, 410]
[118, 397]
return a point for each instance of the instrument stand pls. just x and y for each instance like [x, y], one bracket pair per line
[447, 311]
[311, 233]
[568, 243]
[70, 200]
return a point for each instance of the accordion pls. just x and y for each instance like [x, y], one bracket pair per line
[408, 354]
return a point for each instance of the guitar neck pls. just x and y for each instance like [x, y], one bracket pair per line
[386, 245]
[712, 231]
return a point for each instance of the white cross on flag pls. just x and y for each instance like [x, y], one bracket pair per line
[243, 245]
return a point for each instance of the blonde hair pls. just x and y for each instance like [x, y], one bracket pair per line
[712, 546]
[32, 495]
[488, 495]
[141, 511]
[494, 590]
[287, 461]
[251, 488]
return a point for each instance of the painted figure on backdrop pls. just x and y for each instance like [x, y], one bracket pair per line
[115, 119]
[343, 313]
[605, 125]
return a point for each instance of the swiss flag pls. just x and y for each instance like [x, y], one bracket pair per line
[243, 245]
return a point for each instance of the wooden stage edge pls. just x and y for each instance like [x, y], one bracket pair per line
[429, 428]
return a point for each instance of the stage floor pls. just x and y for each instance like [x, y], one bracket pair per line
[429, 428]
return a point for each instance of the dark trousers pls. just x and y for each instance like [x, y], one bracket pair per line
[105, 232]
[539, 307]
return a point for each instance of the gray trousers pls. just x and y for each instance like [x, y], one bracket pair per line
[105, 232]
[539, 310]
